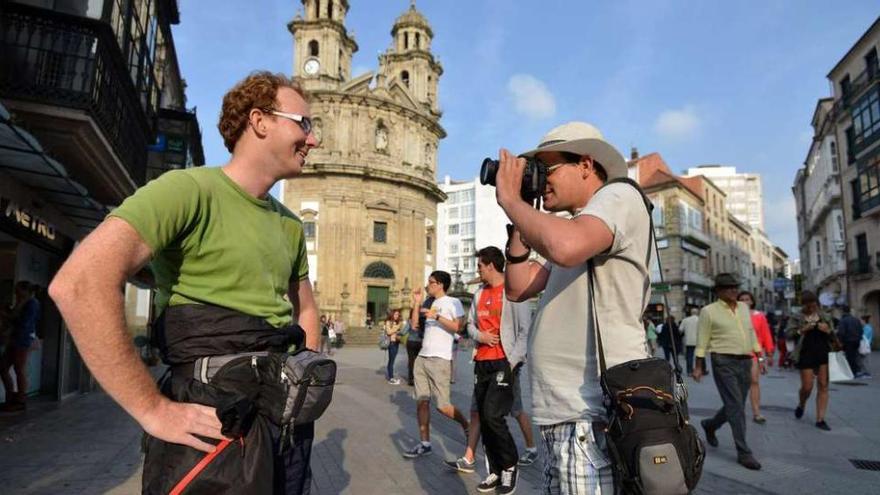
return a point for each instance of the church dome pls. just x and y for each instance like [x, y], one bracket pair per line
[412, 18]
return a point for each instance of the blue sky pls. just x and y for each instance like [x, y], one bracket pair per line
[699, 82]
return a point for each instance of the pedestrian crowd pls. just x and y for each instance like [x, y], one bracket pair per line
[232, 287]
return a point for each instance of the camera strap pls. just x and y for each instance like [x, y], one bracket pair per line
[649, 207]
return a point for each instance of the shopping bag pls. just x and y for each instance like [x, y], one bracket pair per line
[838, 368]
[331, 335]
[864, 347]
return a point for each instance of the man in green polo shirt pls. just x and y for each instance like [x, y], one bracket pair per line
[725, 330]
[220, 248]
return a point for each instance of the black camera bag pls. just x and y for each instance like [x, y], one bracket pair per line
[654, 449]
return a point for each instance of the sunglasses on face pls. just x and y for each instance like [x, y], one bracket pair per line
[305, 123]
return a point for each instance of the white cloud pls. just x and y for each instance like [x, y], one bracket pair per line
[678, 125]
[531, 97]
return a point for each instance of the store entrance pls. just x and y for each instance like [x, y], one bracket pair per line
[22, 261]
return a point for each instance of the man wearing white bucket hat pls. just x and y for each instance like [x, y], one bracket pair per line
[610, 227]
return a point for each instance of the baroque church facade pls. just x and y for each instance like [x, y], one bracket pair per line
[368, 193]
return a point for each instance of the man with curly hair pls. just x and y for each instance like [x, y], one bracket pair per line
[231, 275]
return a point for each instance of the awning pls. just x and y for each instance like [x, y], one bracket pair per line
[23, 158]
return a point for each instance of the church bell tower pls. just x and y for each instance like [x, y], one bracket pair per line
[322, 46]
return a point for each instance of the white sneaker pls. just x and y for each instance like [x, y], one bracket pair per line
[489, 484]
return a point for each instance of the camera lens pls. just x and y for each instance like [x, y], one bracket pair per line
[488, 170]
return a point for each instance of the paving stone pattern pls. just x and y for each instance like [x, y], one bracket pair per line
[88, 445]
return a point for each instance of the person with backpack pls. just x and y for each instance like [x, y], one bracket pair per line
[232, 277]
[725, 332]
[606, 235]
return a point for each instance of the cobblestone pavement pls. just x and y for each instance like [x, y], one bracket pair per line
[88, 445]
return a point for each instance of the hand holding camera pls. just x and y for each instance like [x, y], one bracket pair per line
[514, 177]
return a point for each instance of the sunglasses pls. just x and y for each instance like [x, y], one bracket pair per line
[304, 122]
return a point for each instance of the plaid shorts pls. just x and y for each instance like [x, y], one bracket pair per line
[573, 462]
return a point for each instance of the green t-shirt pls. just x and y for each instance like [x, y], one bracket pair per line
[214, 243]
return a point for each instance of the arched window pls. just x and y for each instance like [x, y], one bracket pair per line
[313, 48]
[404, 76]
[330, 9]
[418, 40]
[405, 41]
[378, 269]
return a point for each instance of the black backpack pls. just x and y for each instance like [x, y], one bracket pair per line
[654, 449]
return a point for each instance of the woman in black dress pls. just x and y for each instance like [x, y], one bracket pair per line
[813, 332]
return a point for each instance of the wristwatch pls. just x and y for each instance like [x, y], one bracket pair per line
[509, 257]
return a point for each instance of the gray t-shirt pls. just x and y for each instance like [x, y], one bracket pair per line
[562, 350]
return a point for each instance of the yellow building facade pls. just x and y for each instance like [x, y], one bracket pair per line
[368, 194]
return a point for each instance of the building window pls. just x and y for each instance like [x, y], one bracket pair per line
[313, 48]
[818, 253]
[418, 40]
[453, 248]
[754, 269]
[330, 9]
[845, 86]
[453, 212]
[405, 40]
[429, 244]
[866, 120]
[871, 62]
[453, 229]
[467, 229]
[869, 184]
[380, 232]
[856, 211]
[467, 246]
[863, 260]
[309, 229]
[833, 148]
[404, 76]
[850, 146]
[378, 270]
[659, 220]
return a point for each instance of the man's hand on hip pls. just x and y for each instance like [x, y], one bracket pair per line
[179, 422]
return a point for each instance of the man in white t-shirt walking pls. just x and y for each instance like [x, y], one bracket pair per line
[609, 228]
[433, 366]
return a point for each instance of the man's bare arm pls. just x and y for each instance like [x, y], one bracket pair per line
[305, 311]
[88, 291]
[522, 281]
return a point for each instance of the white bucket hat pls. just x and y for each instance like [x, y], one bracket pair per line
[581, 138]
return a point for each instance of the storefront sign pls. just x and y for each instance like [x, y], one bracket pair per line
[27, 219]
[21, 220]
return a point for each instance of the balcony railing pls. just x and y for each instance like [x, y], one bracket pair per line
[74, 62]
[861, 266]
[694, 234]
[693, 277]
[860, 83]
